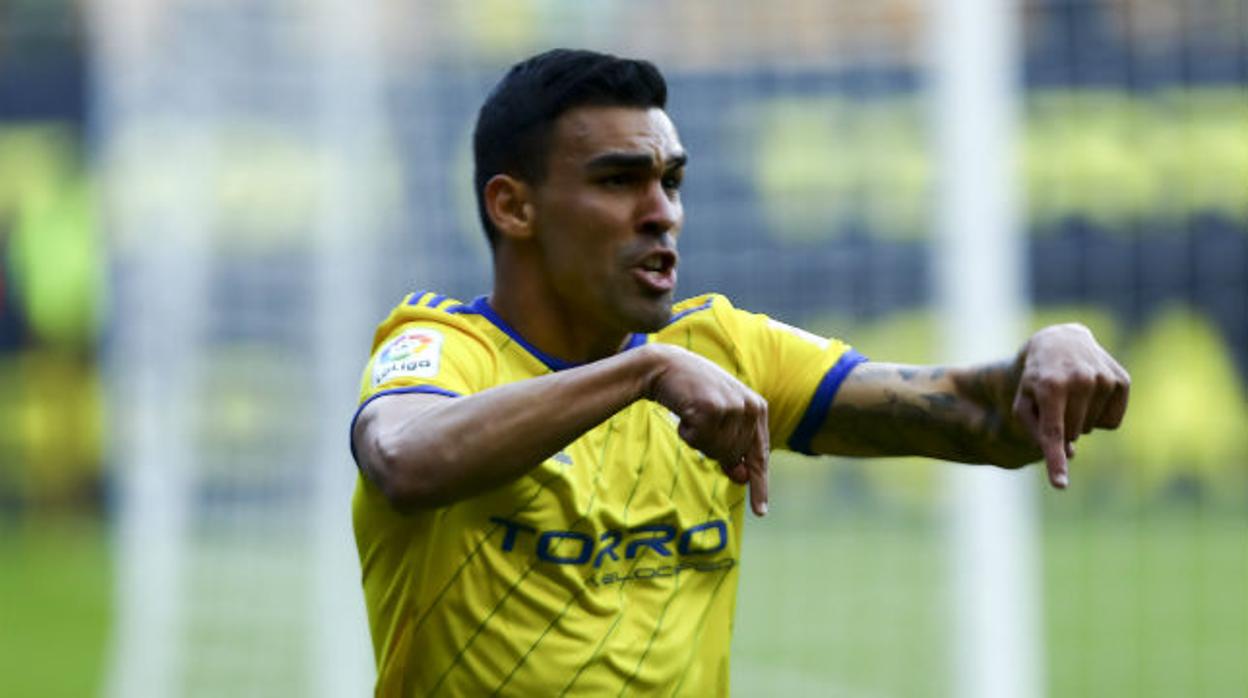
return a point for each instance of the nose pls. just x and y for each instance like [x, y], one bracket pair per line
[661, 211]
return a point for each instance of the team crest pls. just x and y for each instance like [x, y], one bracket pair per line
[414, 353]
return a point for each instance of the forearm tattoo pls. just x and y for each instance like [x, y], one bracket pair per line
[957, 414]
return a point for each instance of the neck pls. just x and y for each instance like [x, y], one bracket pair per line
[528, 301]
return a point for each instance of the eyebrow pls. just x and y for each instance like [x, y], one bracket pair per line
[634, 161]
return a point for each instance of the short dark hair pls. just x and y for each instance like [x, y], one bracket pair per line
[514, 125]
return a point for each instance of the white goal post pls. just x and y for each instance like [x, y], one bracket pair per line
[981, 281]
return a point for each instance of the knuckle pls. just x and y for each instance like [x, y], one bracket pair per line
[713, 407]
[1051, 431]
[1082, 377]
[1081, 383]
[1049, 382]
[692, 415]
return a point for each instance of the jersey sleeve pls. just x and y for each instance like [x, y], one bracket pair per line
[424, 347]
[797, 372]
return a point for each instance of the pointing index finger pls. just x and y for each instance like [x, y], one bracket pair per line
[756, 464]
[1052, 436]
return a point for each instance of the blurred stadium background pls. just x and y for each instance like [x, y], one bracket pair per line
[205, 206]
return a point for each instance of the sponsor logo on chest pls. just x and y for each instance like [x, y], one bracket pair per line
[694, 549]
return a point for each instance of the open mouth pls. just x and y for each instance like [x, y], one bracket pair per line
[657, 271]
[661, 261]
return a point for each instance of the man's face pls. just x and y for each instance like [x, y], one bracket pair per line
[607, 214]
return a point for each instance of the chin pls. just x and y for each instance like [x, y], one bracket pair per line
[650, 317]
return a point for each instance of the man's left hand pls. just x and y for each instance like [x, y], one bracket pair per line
[1068, 385]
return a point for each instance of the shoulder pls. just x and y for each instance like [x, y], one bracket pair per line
[431, 300]
[429, 311]
[714, 315]
[707, 306]
[713, 312]
[706, 324]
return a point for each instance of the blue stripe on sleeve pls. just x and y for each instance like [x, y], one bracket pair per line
[433, 302]
[817, 411]
[426, 389]
[414, 299]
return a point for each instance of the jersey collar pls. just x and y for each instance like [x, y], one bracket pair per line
[481, 306]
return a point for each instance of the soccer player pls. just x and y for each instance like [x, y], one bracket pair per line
[553, 476]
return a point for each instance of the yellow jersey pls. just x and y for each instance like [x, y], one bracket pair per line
[610, 568]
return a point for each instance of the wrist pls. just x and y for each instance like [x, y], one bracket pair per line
[653, 363]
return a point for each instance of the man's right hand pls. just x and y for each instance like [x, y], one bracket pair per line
[426, 451]
[719, 415]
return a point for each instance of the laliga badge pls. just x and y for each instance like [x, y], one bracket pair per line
[414, 353]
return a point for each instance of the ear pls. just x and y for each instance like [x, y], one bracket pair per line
[507, 201]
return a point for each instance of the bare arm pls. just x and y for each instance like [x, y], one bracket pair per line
[954, 414]
[1060, 385]
[426, 450]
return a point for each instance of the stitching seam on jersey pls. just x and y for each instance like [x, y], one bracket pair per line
[477, 633]
[488, 534]
[658, 626]
[520, 662]
[697, 635]
[610, 431]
